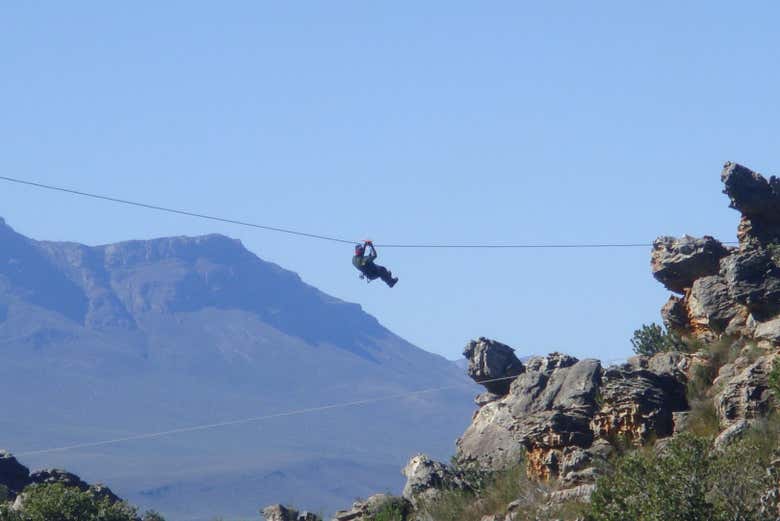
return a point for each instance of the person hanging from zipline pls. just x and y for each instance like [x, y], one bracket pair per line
[364, 261]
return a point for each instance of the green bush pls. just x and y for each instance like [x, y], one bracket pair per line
[496, 492]
[151, 515]
[390, 511]
[652, 339]
[645, 487]
[56, 502]
[689, 481]
[6, 514]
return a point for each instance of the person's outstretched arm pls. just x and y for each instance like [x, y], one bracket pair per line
[372, 254]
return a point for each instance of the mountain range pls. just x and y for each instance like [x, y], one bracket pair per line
[108, 342]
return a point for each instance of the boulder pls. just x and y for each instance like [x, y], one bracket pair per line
[490, 360]
[753, 280]
[731, 433]
[282, 513]
[678, 262]
[710, 304]
[674, 315]
[769, 330]
[425, 479]
[13, 475]
[757, 199]
[669, 363]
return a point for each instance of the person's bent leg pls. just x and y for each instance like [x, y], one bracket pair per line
[386, 276]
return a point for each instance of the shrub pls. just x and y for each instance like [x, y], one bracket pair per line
[644, 487]
[6, 514]
[56, 502]
[498, 490]
[652, 339]
[390, 511]
[739, 476]
[151, 515]
[688, 481]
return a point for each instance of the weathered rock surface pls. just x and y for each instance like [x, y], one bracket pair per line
[425, 479]
[731, 433]
[13, 475]
[678, 262]
[753, 280]
[548, 407]
[368, 509]
[732, 292]
[561, 413]
[757, 199]
[282, 513]
[638, 403]
[490, 360]
[747, 395]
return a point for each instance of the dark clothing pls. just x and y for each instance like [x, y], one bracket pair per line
[365, 264]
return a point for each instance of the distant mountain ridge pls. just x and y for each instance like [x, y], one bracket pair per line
[138, 336]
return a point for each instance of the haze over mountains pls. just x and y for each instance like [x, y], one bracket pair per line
[104, 342]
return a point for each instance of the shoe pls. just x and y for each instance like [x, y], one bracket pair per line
[393, 281]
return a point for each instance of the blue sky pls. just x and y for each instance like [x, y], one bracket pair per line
[402, 122]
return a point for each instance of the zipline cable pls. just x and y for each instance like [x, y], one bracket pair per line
[312, 235]
[241, 421]
[172, 210]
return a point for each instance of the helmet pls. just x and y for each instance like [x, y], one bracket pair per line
[359, 249]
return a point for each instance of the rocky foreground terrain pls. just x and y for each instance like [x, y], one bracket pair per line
[566, 423]
[565, 419]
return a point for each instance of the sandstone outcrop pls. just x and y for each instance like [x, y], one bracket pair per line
[677, 263]
[757, 199]
[561, 413]
[490, 361]
[727, 291]
[746, 395]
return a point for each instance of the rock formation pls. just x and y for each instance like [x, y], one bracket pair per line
[50, 476]
[426, 478]
[560, 412]
[367, 510]
[746, 395]
[282, 513]
[727, 291]
[13, 475]
[492, 363]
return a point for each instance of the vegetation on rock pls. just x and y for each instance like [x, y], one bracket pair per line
[57, 502]
[651, 339]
